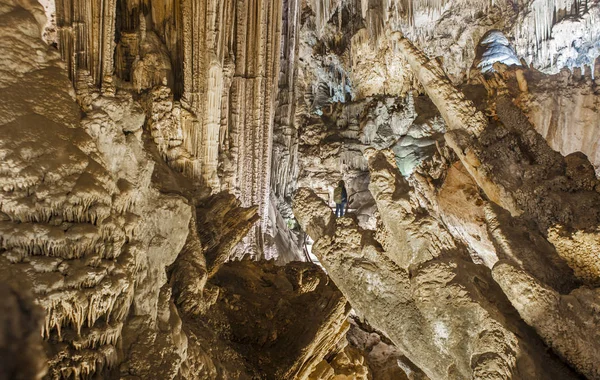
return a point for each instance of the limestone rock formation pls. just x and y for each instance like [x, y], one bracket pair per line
[91, 230]
[562, 107]
[74, 224]
[204, 107]
[421, 326]
[282, 335]
[383, 358]
[167, 172]
[412, 232]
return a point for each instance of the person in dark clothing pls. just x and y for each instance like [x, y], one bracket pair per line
[340, 197]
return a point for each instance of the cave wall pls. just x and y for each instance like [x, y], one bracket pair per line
[469, 223]
[524, 214]
[219, 64]
[73, 235]
[107, 247]
[470, 200]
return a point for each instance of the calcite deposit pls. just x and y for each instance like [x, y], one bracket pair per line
[167, 176]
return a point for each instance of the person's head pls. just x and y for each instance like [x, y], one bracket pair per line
[341, 183]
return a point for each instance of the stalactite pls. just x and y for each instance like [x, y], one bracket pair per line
[210, 140]
[252, 99]
[546, 15]
[400, 15]
[324, 10]
[285, 136]
[546, 48]
[225, 56]
[86, 37]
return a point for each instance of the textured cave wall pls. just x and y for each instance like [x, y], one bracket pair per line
[444, 299]
[130, 273]
[279, 349]
[443, 238]
[115, 247]
[451, 208]
[209, 71]
[570, 125]
[281, 242]
[74, 192]
[353, 38]
[564, 109]
[285, 135]
[382, 357]
[21, 347]
[331, 147]
[85, 38]
[565, 214]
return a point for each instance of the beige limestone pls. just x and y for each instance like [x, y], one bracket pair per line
[533, 184]
[423, 323]
[567, 322]
[91, 258]
[126, 259]
[87, 229]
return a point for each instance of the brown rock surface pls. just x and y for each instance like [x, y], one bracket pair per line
[149, 144]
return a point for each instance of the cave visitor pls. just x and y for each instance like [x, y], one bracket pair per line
[340, 197]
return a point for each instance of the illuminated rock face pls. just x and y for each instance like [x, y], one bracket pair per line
[442, 315]
[564, 109]
[150, 144]
[220, 62]
[93, 223]
[513, 204]
[495, 47]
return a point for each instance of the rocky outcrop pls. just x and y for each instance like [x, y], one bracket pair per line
[331, 148]
[306, 315]
[429, 334]
[563, 108]
[566, 322]
[413, 238]
[113, 251]
[73, 224]
[349, 363]
[529, 178]
[382, 357]
[353, 53]
[219, 224]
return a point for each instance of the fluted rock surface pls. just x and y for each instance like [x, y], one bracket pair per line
[149, 144]
[106, 237]
[209, 73]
